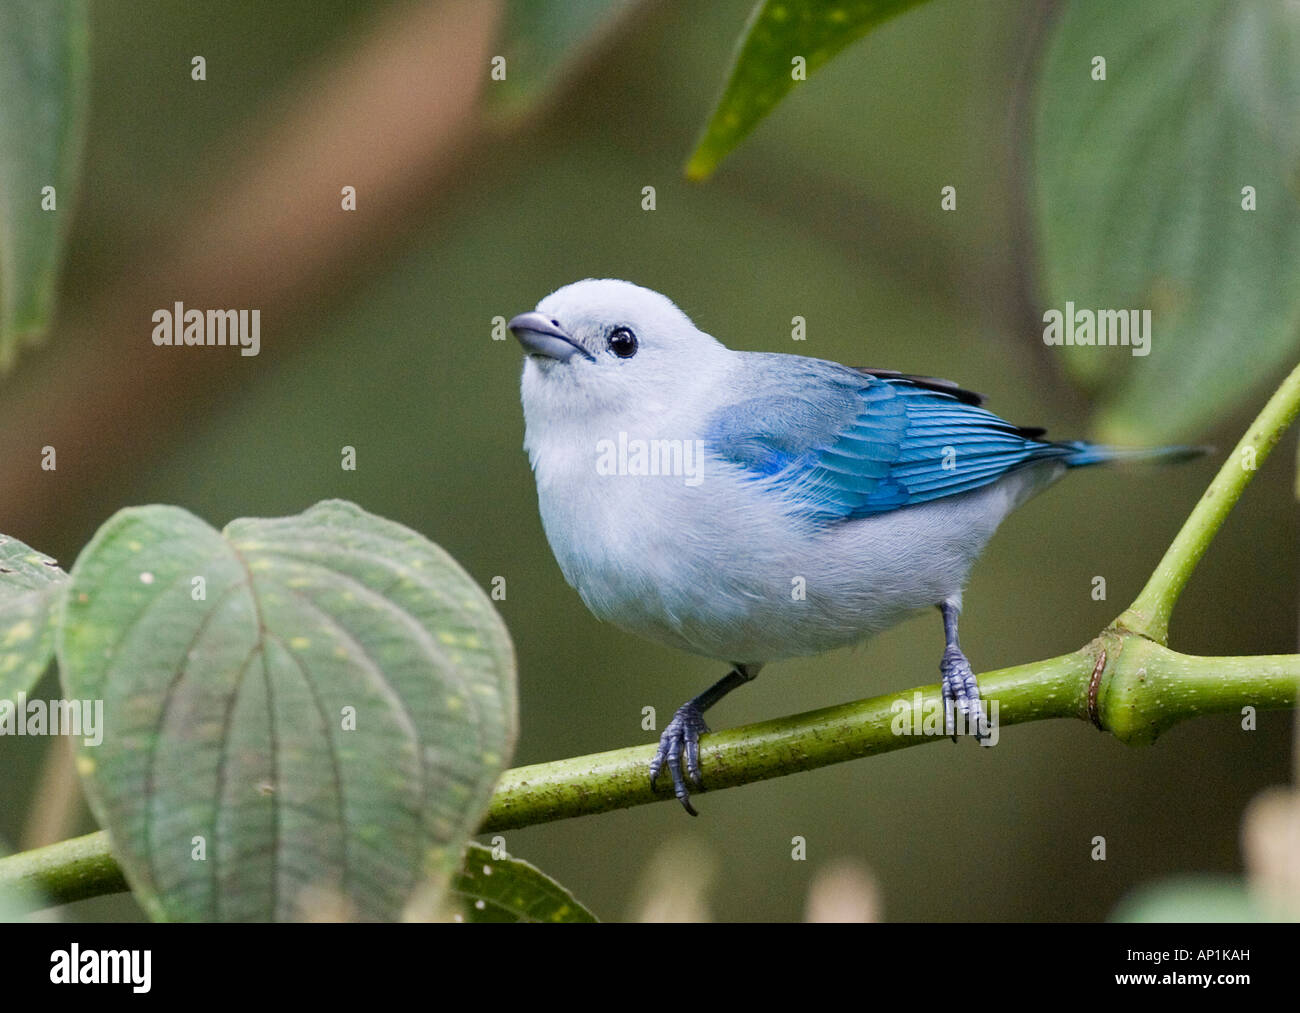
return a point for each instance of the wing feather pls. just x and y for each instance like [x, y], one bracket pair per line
[842, 443]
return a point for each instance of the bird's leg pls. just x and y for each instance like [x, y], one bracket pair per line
[681, 737]
[959, 684]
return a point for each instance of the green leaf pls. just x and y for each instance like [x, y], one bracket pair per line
[1139, 198]
[763, 72]
[44, 76]
[541, 41]
[227, 718]
[510, 890]
[29, 587]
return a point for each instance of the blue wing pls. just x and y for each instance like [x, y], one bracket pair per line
[844, 443]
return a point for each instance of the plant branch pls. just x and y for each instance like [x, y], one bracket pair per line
[1121, 681]
[1149, 614]
[59, 874]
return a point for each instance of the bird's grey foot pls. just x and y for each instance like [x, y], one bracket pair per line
[679, 749]
[962, 691]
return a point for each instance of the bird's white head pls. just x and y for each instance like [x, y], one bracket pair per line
[600, 350]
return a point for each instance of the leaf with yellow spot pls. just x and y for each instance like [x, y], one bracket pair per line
[222, 715]
[30, 584]
[510, 890]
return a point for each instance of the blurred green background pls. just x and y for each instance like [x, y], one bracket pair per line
[376, 333]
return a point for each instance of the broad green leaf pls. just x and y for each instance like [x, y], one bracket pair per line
[228, 718]
[44, 76]
[29, 586]
[540, 41]
[1140, 182]
[779, 33]
[510, 890]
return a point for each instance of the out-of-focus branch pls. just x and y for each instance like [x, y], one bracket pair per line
[394, 116]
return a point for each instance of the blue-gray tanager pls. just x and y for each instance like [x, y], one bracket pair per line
[750, 507]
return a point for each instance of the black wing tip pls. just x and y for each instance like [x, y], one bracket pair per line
[935, 383]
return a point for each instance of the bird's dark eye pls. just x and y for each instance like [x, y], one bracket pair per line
[622, 342]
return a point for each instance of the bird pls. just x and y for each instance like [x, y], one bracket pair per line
[751, 507]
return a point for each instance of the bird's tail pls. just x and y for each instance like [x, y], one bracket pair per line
[1080, 454]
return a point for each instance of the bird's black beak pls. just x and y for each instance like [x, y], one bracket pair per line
[542, 336]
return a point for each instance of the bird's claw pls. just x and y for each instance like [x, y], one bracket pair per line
[679, 750]
[960, 689]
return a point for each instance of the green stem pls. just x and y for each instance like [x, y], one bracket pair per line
[59, 873]
[1149, 614]
[1148, 687]
[1135, 689]
[602, 782]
